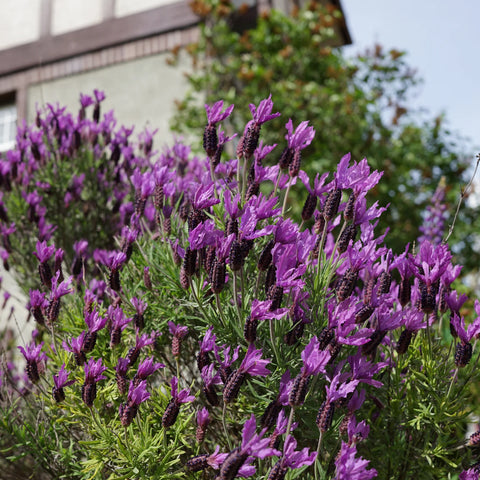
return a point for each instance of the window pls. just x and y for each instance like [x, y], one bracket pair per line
[8, 124]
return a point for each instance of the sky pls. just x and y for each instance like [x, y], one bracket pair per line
[442, 41]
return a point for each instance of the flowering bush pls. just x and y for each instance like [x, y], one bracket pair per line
[223, 337]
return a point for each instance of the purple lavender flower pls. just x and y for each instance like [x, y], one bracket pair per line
[75, 346]
[94, 323]
[147, 367]
[215, 114]
[121, 374]
[292, 459]
[38, 305]
[93, 374]
[349, 467]
[140, 308]
[207, 344]
[118, 323]
[203, 420]
[137, 394]
[35, 360]
[140, 342]
[173, 408]
[263, 113]
[433, 226]
[253, 445]
[60, 382]
[179, 332]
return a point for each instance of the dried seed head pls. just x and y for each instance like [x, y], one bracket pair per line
[219, 272]
[80, 358]
[270, 414]
[349, 212]
[331, 204]
[45, 274]
[211, 395]
[215, 160]
[32, 371]
[132, 355]
[231, 227]
[184, 278]
[278, 471]
[250, 142]
[252, 190]
[203, 359]
[190, 261]
[364, 313]
[115, 336]
[225, 373]
[250, 329]
[232, 464]
[384, 282]
[325, 416]
[147, 280]
[140, 203]
[319, 225]
[89, 342]
[236, 258]
[195, 464]
[210, 140]
[127, 414]
[427, 298]
[58, 394]
[53, 310]
[309, 207]
[275, 294]
[347, 284]
[195, 217]
[38, 315]
[232, 387]
[294, 167]
[334, 348]
[200, 433]
[349, 233]
[171, 413]
[299, 390]
[114, 280]
[285, 158]
[375, 340]
[463, 354]
[89, 393]
[325, 337]
[121, 383]
[265, 258]
[158, 197]
[474, 439]
[176, 346]
[270, 278]
[404, 341]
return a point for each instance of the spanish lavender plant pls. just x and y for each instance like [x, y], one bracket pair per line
[325, 310]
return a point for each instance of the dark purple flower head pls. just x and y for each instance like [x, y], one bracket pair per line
[85, 100]
[363, 370]
[314, 360]
[227, 360]
[414, 319]
[115, 260]
[94, 370]
[37, 299]
[204, 234]
[253, 364]
[145, 339]
[301, 138]
[260, 310]
[61, 380]
[182, 396]
[147, 367]
[356, 177]
[99, 95]
[263, 113]
[137, 394]
[339, 389]
[44, 252]
[117, 317]
[80, 248]
[215, 114]
[470, 474]
[357, 431]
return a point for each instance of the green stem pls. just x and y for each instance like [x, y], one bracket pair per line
[272, 340]
[220, 310]
[285, 198]
[289, 426]
[235, 299]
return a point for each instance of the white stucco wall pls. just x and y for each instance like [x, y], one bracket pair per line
[141, 92]
[19, 22]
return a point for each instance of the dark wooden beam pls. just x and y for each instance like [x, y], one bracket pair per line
[111, 32]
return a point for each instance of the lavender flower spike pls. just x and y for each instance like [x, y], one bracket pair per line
[60, 382]
[215, 114]
[348, 467]
[263, 113]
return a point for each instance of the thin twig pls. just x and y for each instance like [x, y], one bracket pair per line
[465, 191]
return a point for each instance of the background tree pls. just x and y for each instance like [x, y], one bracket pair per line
[355, 104]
